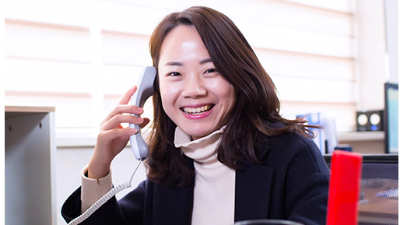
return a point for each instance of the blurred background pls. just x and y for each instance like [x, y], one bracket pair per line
[329, 57]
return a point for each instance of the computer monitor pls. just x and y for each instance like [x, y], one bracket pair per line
[391, 118]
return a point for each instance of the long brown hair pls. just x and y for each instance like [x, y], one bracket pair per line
[257, 105]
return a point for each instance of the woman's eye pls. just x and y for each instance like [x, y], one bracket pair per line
[210, 70]
[174, 74]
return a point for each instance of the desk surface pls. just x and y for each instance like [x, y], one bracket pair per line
[349, 136]
[34, 109]
[12, 111]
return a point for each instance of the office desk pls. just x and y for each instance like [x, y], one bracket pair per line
[30, 148]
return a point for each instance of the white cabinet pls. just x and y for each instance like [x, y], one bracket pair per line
[30, 195]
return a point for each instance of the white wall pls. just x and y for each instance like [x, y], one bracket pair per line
[370, 54]
[82, 64]
[392, 39]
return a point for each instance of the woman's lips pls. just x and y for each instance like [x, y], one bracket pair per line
[197, 112]
[198, 109]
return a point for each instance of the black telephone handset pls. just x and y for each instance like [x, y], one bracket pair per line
[143, 92]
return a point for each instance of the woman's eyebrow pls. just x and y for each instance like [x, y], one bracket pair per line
[173, 64]
[204, 61]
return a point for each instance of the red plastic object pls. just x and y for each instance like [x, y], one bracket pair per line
[344, 188]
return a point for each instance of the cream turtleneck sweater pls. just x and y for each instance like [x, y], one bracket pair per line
[214, 190]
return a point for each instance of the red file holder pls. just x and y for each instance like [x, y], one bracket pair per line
[344, 188]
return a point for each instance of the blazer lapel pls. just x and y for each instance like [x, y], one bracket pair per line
[252, 193]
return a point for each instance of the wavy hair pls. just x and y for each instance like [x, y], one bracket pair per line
[257, 105]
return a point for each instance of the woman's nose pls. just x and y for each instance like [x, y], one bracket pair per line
[193, 87]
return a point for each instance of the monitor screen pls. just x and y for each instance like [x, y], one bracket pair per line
[391, 118]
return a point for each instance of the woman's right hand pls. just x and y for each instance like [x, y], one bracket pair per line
[113, 137]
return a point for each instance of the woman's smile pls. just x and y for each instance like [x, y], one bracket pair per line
[197, 112]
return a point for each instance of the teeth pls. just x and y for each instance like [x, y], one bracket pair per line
[197, 110]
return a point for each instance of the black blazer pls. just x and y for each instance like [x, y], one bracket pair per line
[291, 183]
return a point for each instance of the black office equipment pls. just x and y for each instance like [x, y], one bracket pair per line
[378, 202]
[369, 120]
[391, 118]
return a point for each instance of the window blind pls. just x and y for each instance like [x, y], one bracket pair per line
[82, 56]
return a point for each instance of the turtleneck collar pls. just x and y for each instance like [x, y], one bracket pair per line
[214, 190]
[201, 150]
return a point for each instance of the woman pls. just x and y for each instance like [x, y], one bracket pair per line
[219, 150]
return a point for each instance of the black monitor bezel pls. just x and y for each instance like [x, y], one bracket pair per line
[373, 158]
[385, 116]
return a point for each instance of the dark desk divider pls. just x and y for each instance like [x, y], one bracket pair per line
[378, 202]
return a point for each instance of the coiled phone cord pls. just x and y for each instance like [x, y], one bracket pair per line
[103, 200]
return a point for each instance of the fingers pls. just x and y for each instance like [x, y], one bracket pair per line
[123, 109]
[116, 121]
[116, 133]
[127, 96]
[131, 109]
[122, 113]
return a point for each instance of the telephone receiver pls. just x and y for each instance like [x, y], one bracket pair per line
[139, 146]
[143, 92]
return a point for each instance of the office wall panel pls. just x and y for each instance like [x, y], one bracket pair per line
[337, 5]
[294, 40]
[125, 49]
[130, 18]
[291, 64]
[314, 90]
[47, 76]
[118, 79]
[24, 39]
[71, 12]
[275, 13]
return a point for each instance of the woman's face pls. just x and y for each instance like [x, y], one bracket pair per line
[195, 96]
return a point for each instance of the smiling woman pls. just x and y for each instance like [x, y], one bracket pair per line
[219, 150]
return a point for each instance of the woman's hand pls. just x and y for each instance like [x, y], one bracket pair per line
[113, 137]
